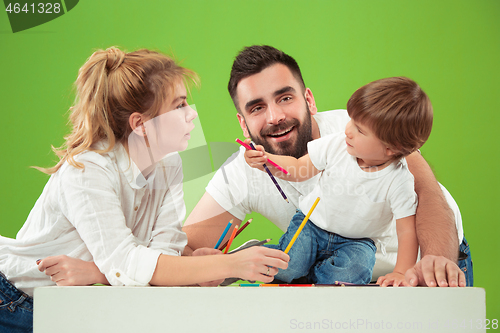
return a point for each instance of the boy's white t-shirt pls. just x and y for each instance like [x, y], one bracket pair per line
[241, 190]
[355, 203]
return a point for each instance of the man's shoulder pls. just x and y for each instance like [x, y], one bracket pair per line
[333, 121]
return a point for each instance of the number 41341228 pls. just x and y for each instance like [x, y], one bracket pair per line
[40, 8]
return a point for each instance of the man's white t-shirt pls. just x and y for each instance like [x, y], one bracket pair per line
[241, 189]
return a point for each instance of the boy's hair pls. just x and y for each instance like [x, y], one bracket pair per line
[254, 59]
[111, 86]
[397, 110]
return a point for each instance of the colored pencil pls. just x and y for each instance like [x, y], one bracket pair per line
[237, 233]
[301, 225]
[268, 160]
[272, 177]
[249, 284]
[256, 244]
[286, 285]
[231, 239]
[223, 234]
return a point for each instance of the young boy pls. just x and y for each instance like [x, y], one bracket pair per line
[363, 182]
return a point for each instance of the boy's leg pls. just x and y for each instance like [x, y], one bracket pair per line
[349, 260]
[16, 308]
[302, 253]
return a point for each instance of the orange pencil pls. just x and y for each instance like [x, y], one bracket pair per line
[231, 238]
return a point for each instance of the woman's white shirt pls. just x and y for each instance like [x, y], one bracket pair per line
[108, 213]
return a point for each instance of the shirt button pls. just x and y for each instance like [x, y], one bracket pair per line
[136, 208]
[117, 274]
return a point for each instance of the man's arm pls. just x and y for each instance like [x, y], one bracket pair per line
[206, 223]
[435, 221]
[436, 232]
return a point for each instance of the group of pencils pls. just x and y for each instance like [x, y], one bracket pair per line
[237, 231]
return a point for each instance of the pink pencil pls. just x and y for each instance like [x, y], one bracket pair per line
[268, 160]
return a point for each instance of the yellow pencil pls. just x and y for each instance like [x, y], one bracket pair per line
[301, 226]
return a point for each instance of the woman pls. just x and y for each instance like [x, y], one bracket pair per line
[115, 198]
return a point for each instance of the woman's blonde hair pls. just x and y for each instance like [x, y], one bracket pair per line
[111, 86]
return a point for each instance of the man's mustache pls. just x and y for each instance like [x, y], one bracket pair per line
[272, 129]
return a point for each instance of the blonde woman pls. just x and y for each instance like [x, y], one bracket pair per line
[113, 206]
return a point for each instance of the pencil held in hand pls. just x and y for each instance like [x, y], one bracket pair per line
[301, 226]
[231, 239]
[272, 177]
[223, 234]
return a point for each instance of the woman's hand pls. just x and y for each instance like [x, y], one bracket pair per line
[67, 271]
[205, 251]
[259, 263]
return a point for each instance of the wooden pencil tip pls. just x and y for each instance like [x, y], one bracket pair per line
[250, 220]
[287, 201]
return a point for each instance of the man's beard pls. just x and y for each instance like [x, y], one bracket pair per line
[298, 148]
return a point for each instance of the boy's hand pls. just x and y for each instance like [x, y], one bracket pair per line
[394, 279]
[255, 158]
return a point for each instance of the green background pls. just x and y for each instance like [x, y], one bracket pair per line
[451, 48]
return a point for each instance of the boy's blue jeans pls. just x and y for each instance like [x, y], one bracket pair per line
[325, 257]
[16, 308]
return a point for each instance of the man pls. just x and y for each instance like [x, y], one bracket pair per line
[276, 110]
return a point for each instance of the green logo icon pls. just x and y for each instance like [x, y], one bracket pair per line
[26, 15]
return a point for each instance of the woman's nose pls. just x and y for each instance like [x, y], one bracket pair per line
[191, 113]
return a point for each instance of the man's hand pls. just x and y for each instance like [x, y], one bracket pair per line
[67, 271]
[432, 271]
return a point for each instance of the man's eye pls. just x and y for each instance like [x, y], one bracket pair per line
[286, 99]
[256, 109]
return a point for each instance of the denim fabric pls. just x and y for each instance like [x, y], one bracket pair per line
[16, 308]
[325, 257]
[466, 264]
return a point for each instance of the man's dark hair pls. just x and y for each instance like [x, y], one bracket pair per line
[254, 59]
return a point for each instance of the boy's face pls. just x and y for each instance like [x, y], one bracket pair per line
[363, 144]
[276, 111]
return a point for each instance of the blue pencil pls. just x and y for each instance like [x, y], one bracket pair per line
[272, 177]
[223, 234]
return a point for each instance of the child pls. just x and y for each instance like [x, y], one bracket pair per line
[115, 198]
[363, 182]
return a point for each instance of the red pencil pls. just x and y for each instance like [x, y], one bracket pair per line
[231, 238]
[268, 160]
[237, 233]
